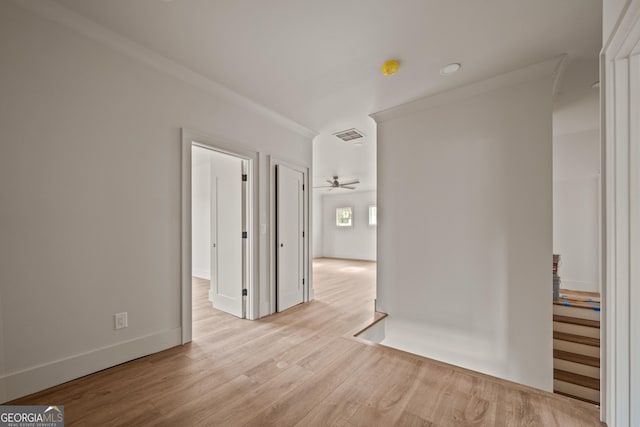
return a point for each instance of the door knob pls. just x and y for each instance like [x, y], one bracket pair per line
[282, 245]
[214, 245]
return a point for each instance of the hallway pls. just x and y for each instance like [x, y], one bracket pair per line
[302, 367]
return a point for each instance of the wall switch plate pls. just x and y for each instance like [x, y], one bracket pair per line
[121, 320]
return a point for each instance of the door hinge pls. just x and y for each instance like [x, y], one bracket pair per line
[244, 292]
[244, 235]
[303, 280]
[244, 177]
[303, 234]
[302, 187]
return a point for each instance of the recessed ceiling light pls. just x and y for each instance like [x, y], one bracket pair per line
[596, 85]
[450, 69]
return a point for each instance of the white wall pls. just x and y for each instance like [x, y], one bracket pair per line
[465, 223]
[201, 213]
[576, 182]
[90, 190]
[356, 242]
[317, 227]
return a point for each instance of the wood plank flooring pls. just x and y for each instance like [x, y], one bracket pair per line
[302, 367]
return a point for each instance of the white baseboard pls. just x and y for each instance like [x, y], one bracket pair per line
[201, 273]
[32, 380]
[350, 258]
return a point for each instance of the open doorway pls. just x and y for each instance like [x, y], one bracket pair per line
[218, 264]
[219, 218]
[345, 213]
[577, 233]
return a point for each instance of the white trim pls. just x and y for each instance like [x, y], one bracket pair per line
[308, 277]
[68, 18]
[41, 377]
[620, 67]
[190, 138]
[532, 72]
[185, 240]
[607, 391]
[625, 35]
[634, 237]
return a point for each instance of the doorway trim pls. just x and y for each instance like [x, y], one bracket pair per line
[620, 102]
[308, 283]
[188, 140]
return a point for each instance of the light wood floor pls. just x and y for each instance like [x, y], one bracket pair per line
[302, 367]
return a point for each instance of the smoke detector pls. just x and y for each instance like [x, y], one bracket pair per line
[350, 135]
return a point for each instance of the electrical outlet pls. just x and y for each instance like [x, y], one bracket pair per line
[121, 320]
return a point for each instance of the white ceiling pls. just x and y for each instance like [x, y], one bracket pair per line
[318, 62]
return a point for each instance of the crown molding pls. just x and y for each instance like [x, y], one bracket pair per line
[624, 38]
[550, 68]
[61, 15]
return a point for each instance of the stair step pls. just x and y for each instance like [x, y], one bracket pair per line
[576, 321]
[595, 342]
[572, 347]
[576, 391]
[583, 331]
[587, 305]
[576, 312]
[576, 397]
[576, 358]
[581, 380]
[576, 368]
[571, 293]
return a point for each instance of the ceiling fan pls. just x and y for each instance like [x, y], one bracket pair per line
[337, 184]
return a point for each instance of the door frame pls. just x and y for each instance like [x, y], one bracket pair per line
[251, 272]
[620, 133]
[308, 284]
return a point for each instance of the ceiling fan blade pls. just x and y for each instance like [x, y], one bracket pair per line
[323, 186]
[348, 186]
[355, 181]
[330, 182]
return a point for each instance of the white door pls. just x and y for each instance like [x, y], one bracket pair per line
[227, 214]
[290, 227]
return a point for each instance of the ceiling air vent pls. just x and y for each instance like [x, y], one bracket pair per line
[349, 134]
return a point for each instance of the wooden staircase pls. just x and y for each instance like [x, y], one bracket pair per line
[576, 345]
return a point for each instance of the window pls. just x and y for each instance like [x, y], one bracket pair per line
[373, 215]
[344, 217]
